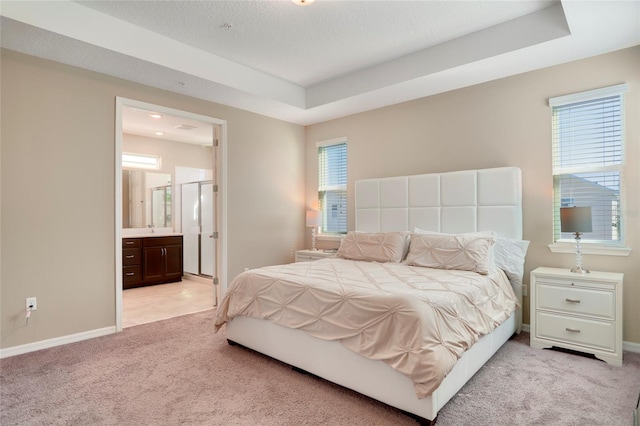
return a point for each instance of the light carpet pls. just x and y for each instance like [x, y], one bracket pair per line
[178, 372]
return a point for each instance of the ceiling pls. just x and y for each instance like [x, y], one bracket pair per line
[160, 125]
[307, 64]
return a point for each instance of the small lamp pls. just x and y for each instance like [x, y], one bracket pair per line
[576, 220]
[313, 221]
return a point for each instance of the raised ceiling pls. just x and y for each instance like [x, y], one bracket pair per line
[307, 64]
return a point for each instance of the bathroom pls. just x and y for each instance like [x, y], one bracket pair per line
[168, 197]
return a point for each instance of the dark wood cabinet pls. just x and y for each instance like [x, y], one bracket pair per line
[131, 262]
[151, 260]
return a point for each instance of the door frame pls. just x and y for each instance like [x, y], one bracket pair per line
[220, 178]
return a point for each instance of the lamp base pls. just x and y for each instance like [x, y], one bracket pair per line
[580, 270]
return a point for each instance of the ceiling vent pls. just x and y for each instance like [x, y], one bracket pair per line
[186, 127]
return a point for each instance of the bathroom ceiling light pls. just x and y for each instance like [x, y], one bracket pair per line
[303, 2]
[159, 133]
[155, 115]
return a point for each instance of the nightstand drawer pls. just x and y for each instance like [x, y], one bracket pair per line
[578, 331]
[304, 258]
[582, 301]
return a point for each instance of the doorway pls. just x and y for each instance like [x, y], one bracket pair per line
[212, 218]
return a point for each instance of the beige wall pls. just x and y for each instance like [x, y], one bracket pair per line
[57, 193]
[501, 123]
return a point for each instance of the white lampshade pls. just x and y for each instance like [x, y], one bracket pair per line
[575, 219]
[313, 218]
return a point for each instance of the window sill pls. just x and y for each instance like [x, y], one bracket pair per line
[587, 248]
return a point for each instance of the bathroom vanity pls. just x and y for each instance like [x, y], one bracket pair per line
[151, 260]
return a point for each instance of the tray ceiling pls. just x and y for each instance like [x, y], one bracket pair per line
[307, 64]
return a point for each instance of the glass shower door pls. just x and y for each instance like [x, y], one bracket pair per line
[198, 226]
[207, 220]
[191, 227]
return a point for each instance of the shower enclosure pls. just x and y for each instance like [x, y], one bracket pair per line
[198, 228]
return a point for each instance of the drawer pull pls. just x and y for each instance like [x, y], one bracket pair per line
[129, 242]
[130, 274]
[573, 300]
[572, 330]
[130, 256]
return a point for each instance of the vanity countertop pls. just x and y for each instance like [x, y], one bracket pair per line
[147, 232]
[153, 234]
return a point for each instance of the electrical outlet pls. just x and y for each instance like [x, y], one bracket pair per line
[32, 303]
[525, 291]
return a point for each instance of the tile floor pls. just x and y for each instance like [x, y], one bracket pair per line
[157, 302]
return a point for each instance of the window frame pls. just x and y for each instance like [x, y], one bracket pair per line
[322, 234]
[599, 247]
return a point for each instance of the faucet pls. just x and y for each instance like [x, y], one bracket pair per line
[151, 227]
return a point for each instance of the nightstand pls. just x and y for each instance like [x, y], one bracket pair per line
[582, 312]
[307, 255]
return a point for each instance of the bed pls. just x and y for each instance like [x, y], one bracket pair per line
[439, 207]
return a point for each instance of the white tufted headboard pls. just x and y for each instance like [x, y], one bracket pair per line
[453, 202]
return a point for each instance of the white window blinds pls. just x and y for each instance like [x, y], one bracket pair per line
[588, 150]
[332, 187]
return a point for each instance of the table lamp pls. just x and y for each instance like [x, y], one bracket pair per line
[576, 220]
[313, 221]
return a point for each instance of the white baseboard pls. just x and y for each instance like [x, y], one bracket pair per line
[85, 335]
[631, 347]
[56, 341]
[626, 346]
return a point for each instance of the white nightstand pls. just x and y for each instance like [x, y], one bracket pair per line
[582, 312]
[307, 255]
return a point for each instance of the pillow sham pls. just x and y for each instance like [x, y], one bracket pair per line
[373, 247]
[509, 255]
[466, 252]
[489, 234]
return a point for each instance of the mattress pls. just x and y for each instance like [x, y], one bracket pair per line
[417, 320]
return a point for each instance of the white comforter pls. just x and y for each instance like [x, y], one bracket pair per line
[417, 320]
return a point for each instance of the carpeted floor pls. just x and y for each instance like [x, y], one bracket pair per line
[178, 371]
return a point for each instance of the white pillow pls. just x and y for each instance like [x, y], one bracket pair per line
[509, 256]
[466, 252]
[374, 247]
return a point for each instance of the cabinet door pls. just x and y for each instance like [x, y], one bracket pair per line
[173, 262]
[154, 263]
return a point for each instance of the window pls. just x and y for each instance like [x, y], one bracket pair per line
[588, 161]
[332, 186]
[140, 161]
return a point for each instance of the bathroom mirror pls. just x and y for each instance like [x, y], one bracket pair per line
[146, 199]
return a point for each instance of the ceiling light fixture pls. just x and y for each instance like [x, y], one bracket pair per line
[155, 115]
[303, 2]
[159, 133]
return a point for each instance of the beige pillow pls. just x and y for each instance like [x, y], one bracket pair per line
[466, 252]
[374, 247]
